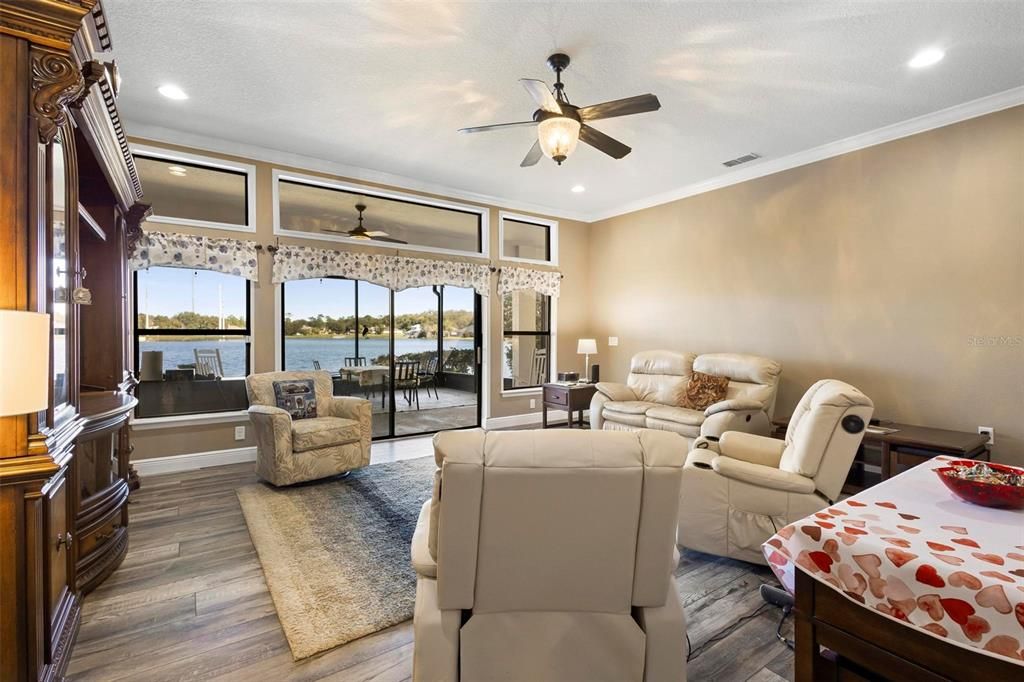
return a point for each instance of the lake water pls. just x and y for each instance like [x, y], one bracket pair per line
[299, 353]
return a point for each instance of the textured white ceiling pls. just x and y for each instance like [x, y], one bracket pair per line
[384, 86]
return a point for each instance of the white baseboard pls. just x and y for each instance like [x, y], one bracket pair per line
[193, 461]
[528, 419]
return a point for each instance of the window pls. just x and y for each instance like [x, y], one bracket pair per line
[526, 343]
[527, 239]
[191, 341]
[307, 207]
[191, 190]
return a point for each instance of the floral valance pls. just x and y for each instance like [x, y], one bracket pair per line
[394, 272]
[547, 282]
[165, 249]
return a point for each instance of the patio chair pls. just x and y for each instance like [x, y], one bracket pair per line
[428, 377]
[407, 378]
[208, 362]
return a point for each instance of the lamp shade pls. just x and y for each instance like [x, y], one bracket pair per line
[24, 362]
[586, 346]
[558, 137]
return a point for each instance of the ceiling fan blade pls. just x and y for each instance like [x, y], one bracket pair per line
[541, 95]
[391, 240]
[609, 145]
[497, 126]
[620, 107]
[532, 156]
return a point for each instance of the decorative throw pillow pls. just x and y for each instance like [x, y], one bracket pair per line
[297, 397]
[704, 390]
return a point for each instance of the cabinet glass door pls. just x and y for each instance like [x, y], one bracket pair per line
[60, 274]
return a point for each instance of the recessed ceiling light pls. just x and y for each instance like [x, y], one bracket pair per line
[177, 170]
[926, 57]
[172, 92]
[578, 188]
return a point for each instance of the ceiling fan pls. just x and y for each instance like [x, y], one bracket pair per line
[360, 232]
[561, 125]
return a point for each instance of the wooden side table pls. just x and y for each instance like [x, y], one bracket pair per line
[906, 447]
[569, 398]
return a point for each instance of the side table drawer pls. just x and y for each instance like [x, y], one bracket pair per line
[556, 396]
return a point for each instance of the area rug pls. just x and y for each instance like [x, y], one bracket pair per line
[336, 553]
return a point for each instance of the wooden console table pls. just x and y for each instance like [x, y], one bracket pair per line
[907, 447]
[569, 398]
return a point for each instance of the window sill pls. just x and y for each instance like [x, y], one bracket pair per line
[178, 420]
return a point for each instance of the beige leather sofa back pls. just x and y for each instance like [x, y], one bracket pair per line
[660, 376]
[594, 534]
[750, 376]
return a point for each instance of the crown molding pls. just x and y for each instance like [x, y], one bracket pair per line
[944, 117]
[149, 133]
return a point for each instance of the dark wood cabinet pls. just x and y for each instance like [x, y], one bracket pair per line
[69, 206]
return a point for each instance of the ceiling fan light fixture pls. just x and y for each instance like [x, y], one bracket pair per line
[558, 137]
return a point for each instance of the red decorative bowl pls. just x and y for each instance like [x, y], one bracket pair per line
[983, 494]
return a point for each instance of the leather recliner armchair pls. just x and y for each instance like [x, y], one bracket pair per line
[549, 555]
[657, 382]
[734, 499]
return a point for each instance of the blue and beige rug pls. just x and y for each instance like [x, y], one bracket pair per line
[336, 553]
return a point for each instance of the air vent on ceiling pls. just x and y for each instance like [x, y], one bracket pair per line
[741, 159]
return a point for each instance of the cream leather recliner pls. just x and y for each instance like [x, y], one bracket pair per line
[657, 382]
[549, 555]
[733, 500]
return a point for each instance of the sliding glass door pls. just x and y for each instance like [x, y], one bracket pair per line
[414, 354]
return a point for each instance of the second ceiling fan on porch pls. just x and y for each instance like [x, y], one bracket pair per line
[561, 125]
[361, 233]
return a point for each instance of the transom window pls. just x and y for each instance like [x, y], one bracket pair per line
[527, 239]
[190, 190]
[326, 210]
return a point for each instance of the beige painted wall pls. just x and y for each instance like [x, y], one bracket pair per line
[899, 268]
[572, 319]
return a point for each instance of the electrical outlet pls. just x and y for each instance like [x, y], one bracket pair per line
[990, 432]
[239, 433]
[533, 403]
[613, 340]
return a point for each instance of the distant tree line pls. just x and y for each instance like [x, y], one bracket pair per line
[455, 323]
[189, 320]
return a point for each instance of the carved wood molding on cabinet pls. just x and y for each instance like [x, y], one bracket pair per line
[56, 82]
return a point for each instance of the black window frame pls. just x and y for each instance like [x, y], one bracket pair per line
[246, 333]
[245, 225]
[478, 303]
[411, 245]
[507, 333]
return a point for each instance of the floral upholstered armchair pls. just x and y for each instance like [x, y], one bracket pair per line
[303, 432]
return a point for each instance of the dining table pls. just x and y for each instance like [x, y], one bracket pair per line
[368, 376]
[908, 581]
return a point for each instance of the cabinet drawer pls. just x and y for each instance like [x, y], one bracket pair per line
[556, 396]
[99, 535]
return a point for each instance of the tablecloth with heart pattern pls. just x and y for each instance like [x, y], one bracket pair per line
[912, 550]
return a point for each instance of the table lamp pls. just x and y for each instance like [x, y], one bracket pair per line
[24, 362]
[585, 347]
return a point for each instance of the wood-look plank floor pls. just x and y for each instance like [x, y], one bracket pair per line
[190, 601]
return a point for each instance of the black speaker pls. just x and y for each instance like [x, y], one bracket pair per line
[595, 373]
